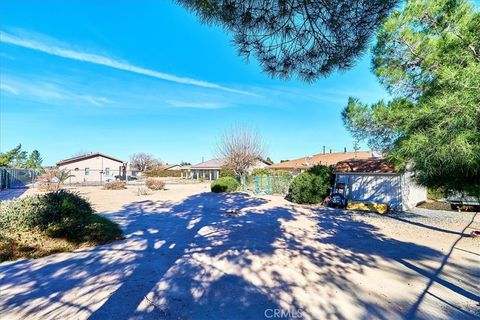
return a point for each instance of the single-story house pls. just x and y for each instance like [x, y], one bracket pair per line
[374, 180]
[92, 167]
[327, 159]
[210, 170]
[173, 167]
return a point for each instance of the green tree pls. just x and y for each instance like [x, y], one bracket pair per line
[304, 38]
[428, 56]
[312, 186]
[34, 161]
[9, 157]
[20, 159]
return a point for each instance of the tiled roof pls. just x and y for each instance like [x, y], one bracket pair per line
[210, 164]
[86, 156]
[326, 159]
[372, 165]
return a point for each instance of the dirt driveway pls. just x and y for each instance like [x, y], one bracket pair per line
[191, 254]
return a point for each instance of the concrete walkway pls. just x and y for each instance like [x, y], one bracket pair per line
[233, 256]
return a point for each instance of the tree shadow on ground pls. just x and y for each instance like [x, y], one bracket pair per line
[228, 256]
[10, 194]
[157, 235]
[361, 238]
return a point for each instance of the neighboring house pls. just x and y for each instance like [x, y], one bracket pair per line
[93, 167]
[173, 167]
[327, 159]
[210, 170]
[374, 180]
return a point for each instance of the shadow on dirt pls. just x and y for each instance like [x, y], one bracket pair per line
[211, 256]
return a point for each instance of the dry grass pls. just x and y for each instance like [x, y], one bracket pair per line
[115, 185]
[16, 245]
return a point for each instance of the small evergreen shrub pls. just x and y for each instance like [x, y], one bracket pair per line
[312, 186]
[60, 214]
[115, 185]
[154, 184]
[225, 184]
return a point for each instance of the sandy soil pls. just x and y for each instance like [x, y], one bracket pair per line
[191, 254]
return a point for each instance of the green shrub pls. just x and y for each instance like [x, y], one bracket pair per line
[225, 184]
[60, 214]
[436, 193]
[161, 172]
[282, 173]
[226, 172]
[261, 172]
[312, 186]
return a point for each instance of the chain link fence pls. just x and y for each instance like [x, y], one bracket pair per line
[11, 178]
[269, 184]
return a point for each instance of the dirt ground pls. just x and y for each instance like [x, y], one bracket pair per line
[191, 254]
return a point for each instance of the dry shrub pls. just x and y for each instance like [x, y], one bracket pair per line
[115, 185]
[52, 180]
[155, 184]
[142, 191]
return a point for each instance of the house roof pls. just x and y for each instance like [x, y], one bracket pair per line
[325, 159]
[209, 164]
[371, 166]
[87, 156]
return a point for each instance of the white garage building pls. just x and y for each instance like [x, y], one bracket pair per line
[373, 180]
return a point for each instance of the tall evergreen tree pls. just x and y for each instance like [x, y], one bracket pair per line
[303, 38]
[34, 160]
[9, 157]
[428, 56]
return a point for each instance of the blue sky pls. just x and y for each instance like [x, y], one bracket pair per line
[127, 76]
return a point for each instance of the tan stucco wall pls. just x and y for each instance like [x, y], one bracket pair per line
[95, 165]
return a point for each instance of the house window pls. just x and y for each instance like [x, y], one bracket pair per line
[107, 171]
[87, 171]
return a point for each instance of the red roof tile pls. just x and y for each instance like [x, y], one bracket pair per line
[326, 159]
[372, 165]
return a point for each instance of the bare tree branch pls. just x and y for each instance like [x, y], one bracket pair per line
[241, 148]
[144, 162]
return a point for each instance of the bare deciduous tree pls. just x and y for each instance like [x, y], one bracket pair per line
[144, 162]
[241, 148]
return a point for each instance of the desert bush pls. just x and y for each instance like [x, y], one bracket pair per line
[142, 191]
[60, 214]
[155, 184]
[115, 185]
[312, 186]
[225, 184]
